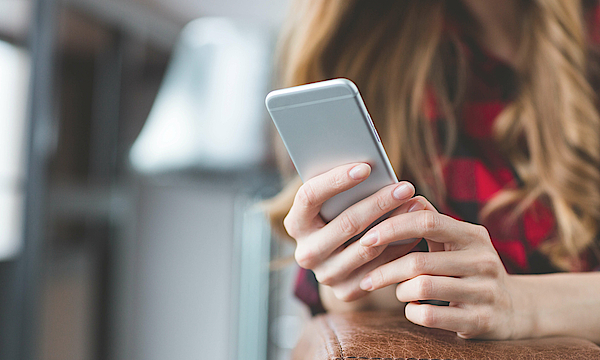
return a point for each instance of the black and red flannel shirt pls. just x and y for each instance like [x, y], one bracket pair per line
[476, 171]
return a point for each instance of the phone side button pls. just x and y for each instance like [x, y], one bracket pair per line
[373, 128]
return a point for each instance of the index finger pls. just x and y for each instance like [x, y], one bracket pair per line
[433, 246]
[314, 192]
[426, 224]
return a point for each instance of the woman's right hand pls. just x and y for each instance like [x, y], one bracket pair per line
[321, 246]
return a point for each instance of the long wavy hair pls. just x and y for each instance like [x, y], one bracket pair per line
[398, 52]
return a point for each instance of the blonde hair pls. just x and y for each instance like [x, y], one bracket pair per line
[396, 51]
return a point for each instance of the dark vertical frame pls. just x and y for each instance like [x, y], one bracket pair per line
[103, 173]
[40, 121]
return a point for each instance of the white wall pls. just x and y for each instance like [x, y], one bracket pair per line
[269, 11]
[183, 292]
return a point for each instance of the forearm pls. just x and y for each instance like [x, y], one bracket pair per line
[566, 304]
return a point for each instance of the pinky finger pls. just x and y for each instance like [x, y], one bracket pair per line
[440, 317]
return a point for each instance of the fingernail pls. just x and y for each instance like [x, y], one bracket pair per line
[369, 239]
[360, 172]
[419, 205]
[403, 191]
[366, 283]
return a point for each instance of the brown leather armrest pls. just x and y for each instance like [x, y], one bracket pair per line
[389, 336]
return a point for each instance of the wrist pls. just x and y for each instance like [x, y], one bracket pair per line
[525, 317]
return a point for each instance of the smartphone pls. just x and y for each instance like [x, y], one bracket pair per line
[324, 125]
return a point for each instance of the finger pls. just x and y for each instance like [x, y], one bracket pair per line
[433, 246]
[423, 201]
[415, 204]
[429, 225]
[349, 289]
[444, 288]
[440, 317]
[359, 216]
[322, 243]
[314, 192]
[341, 263]
[444, 263]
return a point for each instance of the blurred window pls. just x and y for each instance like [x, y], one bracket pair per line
[14, 81]
[209, 112]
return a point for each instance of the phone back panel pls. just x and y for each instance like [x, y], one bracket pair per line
[325, 125]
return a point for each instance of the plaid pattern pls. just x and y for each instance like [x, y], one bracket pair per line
[476, 171]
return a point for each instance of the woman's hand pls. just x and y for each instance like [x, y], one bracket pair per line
[322, 247]
[463, 269]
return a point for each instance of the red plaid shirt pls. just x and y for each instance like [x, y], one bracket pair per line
[476, 171]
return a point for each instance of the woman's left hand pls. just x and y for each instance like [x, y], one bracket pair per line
[462, 268]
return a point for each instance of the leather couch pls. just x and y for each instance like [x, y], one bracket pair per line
[389, 336]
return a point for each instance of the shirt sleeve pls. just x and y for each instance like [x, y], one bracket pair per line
[592, 18]
[307, 290]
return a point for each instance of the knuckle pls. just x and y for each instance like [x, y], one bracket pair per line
[324, 277]
[368, 253]
[490, 292]
[429, 221]
[337, 181]
[348, 224]
[378, 278]
[291, 226]
[482, 232]
[488, 264]
[424, 288]
[304, 257]
[391, 227]
[483, 322]
[382, 203]
[427, 315]
[306, 195]
[418, 263]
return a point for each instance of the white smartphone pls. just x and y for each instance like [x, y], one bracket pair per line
[324, 125]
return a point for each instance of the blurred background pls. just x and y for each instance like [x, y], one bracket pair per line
[135, 150]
